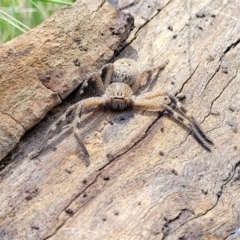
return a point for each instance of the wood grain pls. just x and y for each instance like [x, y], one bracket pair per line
[44, 65]
[148, 178]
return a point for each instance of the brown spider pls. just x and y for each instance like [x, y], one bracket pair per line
[115, 84]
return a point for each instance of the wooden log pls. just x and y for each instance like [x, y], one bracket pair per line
[44, 65]
[148, 178]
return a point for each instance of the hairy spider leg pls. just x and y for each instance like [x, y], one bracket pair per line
[199, 135]
[179, 107]
[100, 80]
[95, 81]
[145, 75]
[89, 102]
[52, 129]
[145, 104]
[106, 73]
[153, 94]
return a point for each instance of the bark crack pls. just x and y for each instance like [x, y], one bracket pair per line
[129, 5]
[142, 26]
[218, 195]
[183, 85]
[219, 95]
[134, 144]
[98, 175]
[99, 7]
[224, 53]
[234, 44]
[14, 120]
[214, 74]
[70, 202]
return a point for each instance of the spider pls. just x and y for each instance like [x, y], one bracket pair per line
[116, 87]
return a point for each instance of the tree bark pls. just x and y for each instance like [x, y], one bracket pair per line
[148, 178]
[43, 66]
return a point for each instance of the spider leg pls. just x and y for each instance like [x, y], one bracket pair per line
[179, 107]
[93, 85]
[89, 102]
[145, 75]
[192, 125]
[78, 107]
[106, 73]
[53, 129]
[154, 94]
[145, 104]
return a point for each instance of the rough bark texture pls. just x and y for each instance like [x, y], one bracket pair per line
[148, 178]
[44, 65]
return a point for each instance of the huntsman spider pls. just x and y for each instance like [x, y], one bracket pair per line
[116, 84]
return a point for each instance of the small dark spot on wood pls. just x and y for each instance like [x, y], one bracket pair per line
[200, 28]
[181, 96]
[183, 186]
[104, 219]
[235, 148]
[76, 62]
[44, 78]
[172, 83]
[233, 124]
[122, 118]
[232, 108]
[161, 153]
[83, 48]
[155, 232]
[84, 195]
[170, 28]
[84, 181]
[35, 227]
[139, 203]
[174, 172]
[106, 178]
[215, 113]
[149, 6]
[200, 15]
[68, 170]
[225, 70]
[162, 129]
[30, 194]
[111, 122]
[182, 238]
[116, 213]
[77, 40]
[69, 211]
[174, 36]
[204, 192]
[219, 193]
[110, 156]
[213, 15]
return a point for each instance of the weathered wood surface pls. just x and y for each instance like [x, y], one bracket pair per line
[148, 178]
[44, 65]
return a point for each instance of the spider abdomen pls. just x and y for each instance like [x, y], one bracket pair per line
[125, 71]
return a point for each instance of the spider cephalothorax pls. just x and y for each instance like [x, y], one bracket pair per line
[118, 96]
[116, 85]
